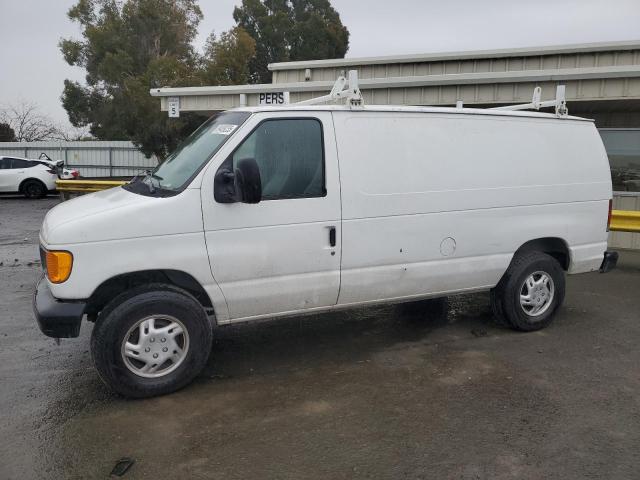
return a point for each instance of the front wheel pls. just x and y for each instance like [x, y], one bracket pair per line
[151, 341]
[529, 293]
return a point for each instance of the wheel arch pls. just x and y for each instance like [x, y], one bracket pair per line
[31, 179]
[118, 284]
[556, 247]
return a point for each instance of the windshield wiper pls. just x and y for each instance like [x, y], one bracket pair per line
[139, 176]
[148, 180]
[157, 178]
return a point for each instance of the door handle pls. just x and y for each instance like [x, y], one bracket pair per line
[332, 236]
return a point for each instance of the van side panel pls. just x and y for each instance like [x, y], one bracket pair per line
[437, 203]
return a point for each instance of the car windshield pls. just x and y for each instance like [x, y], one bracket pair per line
[172, 175]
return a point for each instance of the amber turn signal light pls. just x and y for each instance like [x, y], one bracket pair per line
[59, 265]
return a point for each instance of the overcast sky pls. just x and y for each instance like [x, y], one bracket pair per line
[32, 68]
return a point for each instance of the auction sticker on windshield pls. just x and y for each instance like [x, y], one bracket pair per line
[224, 129]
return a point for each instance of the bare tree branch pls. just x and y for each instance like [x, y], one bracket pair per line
[28, 123]
[73, 134]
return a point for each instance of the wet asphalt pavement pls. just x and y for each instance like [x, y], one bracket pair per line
[372, 393]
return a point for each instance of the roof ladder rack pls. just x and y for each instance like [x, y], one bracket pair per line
[560, 102]
[344, 89]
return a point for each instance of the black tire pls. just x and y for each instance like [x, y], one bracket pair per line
[505, 297]
[122, 314]
[34, 189]
[433, 308]
[496, 307]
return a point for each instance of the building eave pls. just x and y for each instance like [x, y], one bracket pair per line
[464, 55]
[564, 74]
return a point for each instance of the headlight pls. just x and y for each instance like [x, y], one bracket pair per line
[58, 265]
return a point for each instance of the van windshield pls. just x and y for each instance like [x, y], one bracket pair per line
[179, 168]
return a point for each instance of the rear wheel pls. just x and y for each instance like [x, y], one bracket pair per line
[151, 341]
[529, 293]
[34, 189]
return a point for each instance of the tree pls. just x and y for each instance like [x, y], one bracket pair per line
[127, 48]
[27, 124]
[6, 133]
[75, 134]
[290, 30]
[227, 59]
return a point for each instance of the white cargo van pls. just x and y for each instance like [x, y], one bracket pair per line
[266, 212]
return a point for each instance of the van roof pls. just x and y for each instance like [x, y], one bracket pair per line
[394, 108]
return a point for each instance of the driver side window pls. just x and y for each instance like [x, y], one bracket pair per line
[290, 156]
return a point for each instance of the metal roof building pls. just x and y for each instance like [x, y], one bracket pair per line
[602, 80]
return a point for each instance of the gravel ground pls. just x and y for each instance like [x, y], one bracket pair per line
[371, 393]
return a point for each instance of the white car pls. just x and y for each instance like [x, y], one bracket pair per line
[32, 178]
[271, 211]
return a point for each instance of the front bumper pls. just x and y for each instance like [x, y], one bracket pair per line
[56, 318]
[609, 262]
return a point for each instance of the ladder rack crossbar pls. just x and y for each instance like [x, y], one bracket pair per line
[560, 102]
[347, 89]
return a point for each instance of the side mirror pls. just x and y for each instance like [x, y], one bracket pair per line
[242, 185]
[224, 188]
